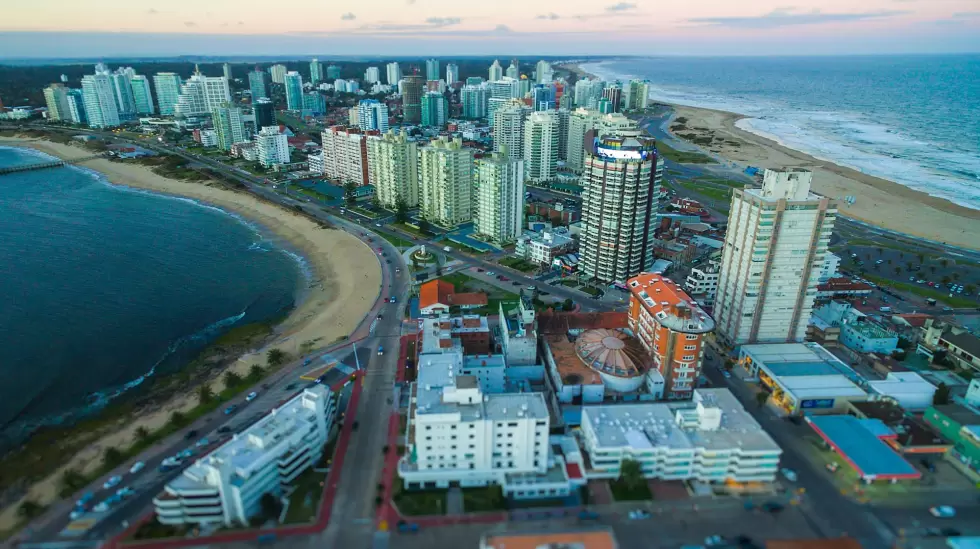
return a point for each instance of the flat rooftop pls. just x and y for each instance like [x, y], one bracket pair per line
[652, 424]
[570, 367]
[595, 539]
[806, 370]
[861, 447]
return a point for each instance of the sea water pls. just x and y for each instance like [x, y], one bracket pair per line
[912, 119]
[103, 286]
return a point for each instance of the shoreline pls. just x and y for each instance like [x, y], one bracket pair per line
[330, 306]
[879, 202]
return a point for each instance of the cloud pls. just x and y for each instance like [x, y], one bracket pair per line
[966, 14]
[190, 24]
[502, 28]
[622, 6]
[348, 17]
[152, 11]
[241, 23]
[787, 17]
[550, 16]
[443, 21]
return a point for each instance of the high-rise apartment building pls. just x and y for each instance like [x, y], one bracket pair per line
[123, 92]
[621, 184]
[393, 161]
[434, 108]
[583, 121]
[394, 73]
[509, 128]
[142, 97]
[314, 104]
[563, 117]
[168, 86]
[264, 113]
[372, 115]
[770, 266]
[226, 71]
[432, 71]
[412, 99]
[56, 99]
[294, 91]
[259, 83]
[333, 72]
[76, 107]
[372, 75]
[614, 93]
[588, 92]
[513, 71]
[671, 327]
[498, 201]
[541, 146]
[100, 101]
[272, 146]
[474, 100]
[229, 125]
[446, 182]
[200, 94]
[636, 95]
[452, 73]
[544, 72]
[278, 73]
[345, 155]
[316, 71]
[496, 72]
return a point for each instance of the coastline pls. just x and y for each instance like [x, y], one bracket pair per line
[879, 202]
[328, 309]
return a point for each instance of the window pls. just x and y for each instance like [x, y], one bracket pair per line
[512, 424]
[691, 337]
[690, 347]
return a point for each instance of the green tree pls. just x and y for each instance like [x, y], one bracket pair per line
[177, 419]
[142, 434]
[401, 210]
[271, 506]
[761, 398]
[631, 474]
[255, 373]
[232, 379]
[205, 394]
[424, 226]
[908, 267]
[898, 271]
[880, 251]
[70, 482]
[941, 395]
[970, 288]
[112, 457]
[932, 269]
[568, 305]
[350, 192]
[275, 357]
[956, 275]
[29, 509]
[946, 279]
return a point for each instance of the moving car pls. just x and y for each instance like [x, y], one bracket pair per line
[137, 467]
[638, 514]
[381, 350]
[251, 396]
[84, 500]
[942, 511]
[231, 409]
[113, 480]
[789, 474]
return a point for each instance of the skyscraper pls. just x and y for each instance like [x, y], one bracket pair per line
[496, 71]
[588, 92]
[498, 204]
[412, 98]
[372, 115]
[619, 208]
[614, 93]
[452, 73]
[259, 83]
[474, 100]
[226, 71]
[542, 98]
[56, 99]
[278, 73]
[141, 94]
[314, 103]
[434, 109]
[100, 100]
[228, 124]
[76, 107]
[263, 112]
[508, 128]
[581, 121]
[774, 248]
[513, 71]
[345, 155]
[544, 73]
[333, 72]
[200, 94]
[168, 86]
[393, 161]
[393, 73]
[294, 91]
[563, 117]
[123, 92]
[273, 147]
[316, 72]
[372, 75]
[541, 146]
[446, 182]
[432, 71]
[636, 95]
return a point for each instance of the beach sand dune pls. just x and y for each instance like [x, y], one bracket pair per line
[346, 282]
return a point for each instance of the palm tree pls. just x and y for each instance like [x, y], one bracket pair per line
[232, 379]
[946, 280]
[908, 267]
[880, 251]
[631, 473]
[932, 269]
[255, 373]
[142, 434]
[401, 210]
[922, 258]
[71, 480]
[350, 192]
[970, 288]
[205, 394]
[275, 357]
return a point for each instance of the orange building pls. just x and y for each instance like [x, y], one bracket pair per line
[671, 326]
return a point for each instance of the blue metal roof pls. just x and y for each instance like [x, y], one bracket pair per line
[861, 447]
[784, 369]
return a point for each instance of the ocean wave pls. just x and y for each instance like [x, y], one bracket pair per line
[845, 138]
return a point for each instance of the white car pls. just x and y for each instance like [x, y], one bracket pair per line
[137, 467]
[114, 480]
[789, 474]
[942, 511]
[251, 396]
[101, 507]
[75, 515]
[125, 492]
[638, 514]
[491, 273]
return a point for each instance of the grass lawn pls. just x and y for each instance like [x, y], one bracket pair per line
[397, 240]
[594, 292]
[569, 282]
[362, 211]
[467, 249]
[621, 492]
[419, 503]
[718, 195]
[312, 193]
[408, 229]
[681, 156]
[519, 264]
[923, 291]
[489, 498]
[304, 501]
[458, 280]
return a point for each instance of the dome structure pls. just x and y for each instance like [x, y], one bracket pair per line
[619, 359]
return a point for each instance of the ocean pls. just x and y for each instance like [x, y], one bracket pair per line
[104, 286]
[912, 119]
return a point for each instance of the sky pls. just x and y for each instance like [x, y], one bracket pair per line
[92, 28]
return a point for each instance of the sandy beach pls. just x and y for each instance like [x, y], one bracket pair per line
[877, 201]
[335, 303]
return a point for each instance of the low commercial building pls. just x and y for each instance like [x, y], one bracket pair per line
[541, 248]
[803, 377]
[470, 332]
[961, 426]
[856, 330]
[710, 439]
[910, 390]
[226, 486]
[842, 287]
[861, 443]
[962, 349]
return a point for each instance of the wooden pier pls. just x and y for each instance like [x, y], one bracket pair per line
[47, 165]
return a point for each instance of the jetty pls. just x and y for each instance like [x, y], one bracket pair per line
[48, 165]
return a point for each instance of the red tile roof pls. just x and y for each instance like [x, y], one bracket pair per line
[573, 470]
[843, 284]
[435, 292]
[916, 320]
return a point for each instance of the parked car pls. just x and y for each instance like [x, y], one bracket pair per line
[76, 514]
[84, 500]
[137, 467]
[714, 540]
[113, 480]
[638, 514]
[231, 409]
[251, 396]
[190, 434]
[942, 511]
[789, 474]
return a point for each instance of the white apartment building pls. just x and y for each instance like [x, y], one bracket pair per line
[200, 94]
[636, 95]
[702, 283]
[830, 267]
[582, 121]
[474, 100]
[543, 247]
[372, 75]
[588, 92]
[452, 73]
[770, 266]
[227, 485]
[709, 439]
[209, 138]
[496, 72]
[56, 99]
[316, 71]
[142, 96]
[512, 71]
[345, 155]
[446, 182]
[229, 124]
[541, 146]
[272, 147]
[508, 128]
[544, 72]
[168, 86]
[393, 168]
[619, 208]
[372, 115]
[100, 102]
[278, 73]
[498, 212]
[394, 73]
